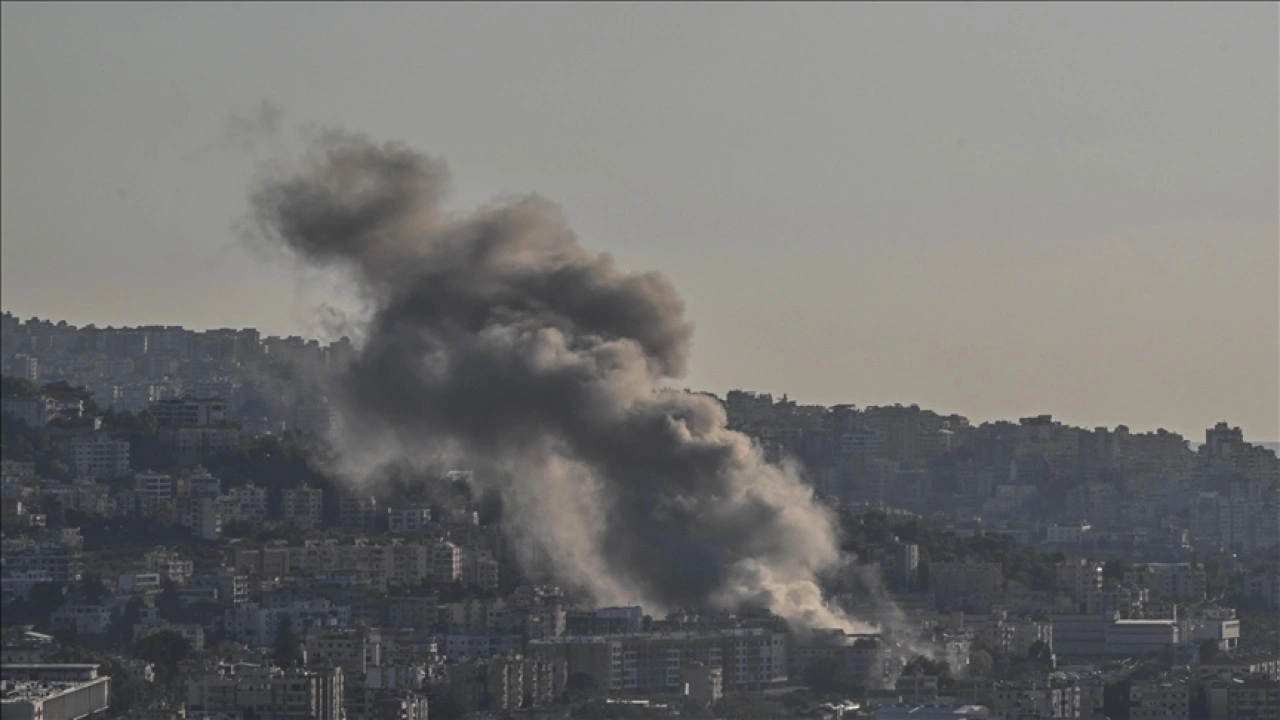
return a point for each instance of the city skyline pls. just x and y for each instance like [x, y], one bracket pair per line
[998, 211]
[1192, 437]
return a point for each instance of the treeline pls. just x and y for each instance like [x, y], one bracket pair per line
[1023, 564]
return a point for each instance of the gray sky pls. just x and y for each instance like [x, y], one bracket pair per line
[994, 210]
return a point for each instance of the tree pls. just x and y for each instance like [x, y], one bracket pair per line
[1114, 570]
[1208, 651]
[580, 686]
[122, 622]
[169, 601]
[1115, 700]
[126, 688]
[165, 649]
[288, 646]
[93, 588]
[822, 676]
[921, 665]
[446, 707]
[1040, 655]
[42, 601]
[981, 661]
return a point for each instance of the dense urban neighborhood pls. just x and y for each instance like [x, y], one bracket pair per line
[178, 543]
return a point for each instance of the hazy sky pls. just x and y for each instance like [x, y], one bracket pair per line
[993, 210]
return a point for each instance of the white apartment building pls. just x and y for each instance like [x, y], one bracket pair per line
[446, 562]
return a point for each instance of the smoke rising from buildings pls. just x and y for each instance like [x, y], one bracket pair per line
[496, 339]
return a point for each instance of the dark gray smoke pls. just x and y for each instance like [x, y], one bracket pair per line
[497, 339]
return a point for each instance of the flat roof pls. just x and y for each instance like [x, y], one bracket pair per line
[48, 666]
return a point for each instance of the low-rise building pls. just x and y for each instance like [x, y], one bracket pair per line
[53, 692]
[1159, 701]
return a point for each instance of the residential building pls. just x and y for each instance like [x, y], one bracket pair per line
[99, 456]
[267, 692]
[412, 520]
[1159, 701]
[54, 692]
[302, 506]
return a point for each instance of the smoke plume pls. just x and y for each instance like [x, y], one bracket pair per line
[495, 338]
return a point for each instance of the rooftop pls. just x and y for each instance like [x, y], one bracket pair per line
[32, 691]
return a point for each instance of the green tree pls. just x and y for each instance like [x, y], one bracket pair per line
[287, 650]
[981, 662]
[1040, 655]
[580, 686]
[42, 601]
[1208, 651]
[1114, 570]
[93, 588]
[1115, 700]
[165, 649]
[169, 601]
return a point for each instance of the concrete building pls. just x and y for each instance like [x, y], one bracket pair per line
[1222, 632]
[703, 684]
[267, 692]
[36, 412]
[139, 582]
[53, 692]
[1067, 533]
[932, 712]
[99, 456]
[84, 618]
[1017, 701]
[640, 664]
[1133, 637]
[478, 567]
[352, 649]
[1177, 582]
[358, 513]
[302, 506]
[194, 444]
[907, 562]
[1079, 578]
[1241, 699]
[1081, 635]
[1159, 701]
[189, 411]
[154, 487]
[244, 503]
[446, 562]
[413, 520]
[170, 564]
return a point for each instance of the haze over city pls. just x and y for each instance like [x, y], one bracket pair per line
[993, 210]
[574, 361]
